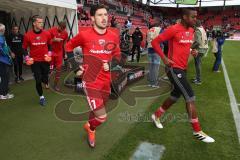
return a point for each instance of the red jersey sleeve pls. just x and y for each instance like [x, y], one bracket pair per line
[65, 36]
[74, 42]
[49, 38]
[50, 31]
[165, 36]
[25, 42]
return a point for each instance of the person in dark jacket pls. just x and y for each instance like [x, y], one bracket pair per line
[137, 38]
[5, 63]
[218, 55]
[15, 41]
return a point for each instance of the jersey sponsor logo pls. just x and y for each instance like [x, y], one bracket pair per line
[38, 43]
[100, 51]
[101, 42]
[186, 41]
[38, 38]
[187, 34]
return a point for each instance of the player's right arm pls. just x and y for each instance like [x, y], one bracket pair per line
[74, 42]
[165, 36]
[53, 37]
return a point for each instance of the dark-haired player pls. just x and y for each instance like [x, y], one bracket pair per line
[180, 38]
[59, 36]
[100, 45]
[38, 41]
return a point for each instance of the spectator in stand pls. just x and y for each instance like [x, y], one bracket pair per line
[128, 23]
[84, 15]
[113, 22]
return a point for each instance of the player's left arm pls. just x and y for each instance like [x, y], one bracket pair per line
[116, 55]
[49, 41]
[117, 50]
[197, 39]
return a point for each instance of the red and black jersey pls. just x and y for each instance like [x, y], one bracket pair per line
[97, 48]
[57, 47]
[38, 43]
[180, 40]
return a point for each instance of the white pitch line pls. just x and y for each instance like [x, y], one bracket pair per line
[233, 102]
[206, 52]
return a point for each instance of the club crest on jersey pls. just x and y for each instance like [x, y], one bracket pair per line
[179, 75]
[38, 38]
[110, 46]
[187, 34]
[101, 42]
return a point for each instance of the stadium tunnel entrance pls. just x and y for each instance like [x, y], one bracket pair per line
[4, 16]
[19, 12]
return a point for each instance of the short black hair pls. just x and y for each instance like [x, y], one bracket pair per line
[62, 24]
[35, 17]
[186, 11]
[14, 26]
[94, 8]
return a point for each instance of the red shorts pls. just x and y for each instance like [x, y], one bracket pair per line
[57, 61]
[97, 93]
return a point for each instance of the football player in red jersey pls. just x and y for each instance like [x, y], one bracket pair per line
[38, 41]
[59, 36]
[100, 45]
[180, 38]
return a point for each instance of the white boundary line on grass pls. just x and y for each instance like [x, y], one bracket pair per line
[206, 52]
[233, 102]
